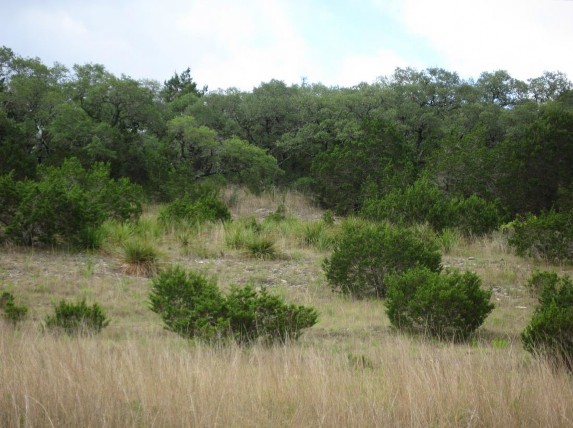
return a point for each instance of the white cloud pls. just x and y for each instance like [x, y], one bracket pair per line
[228, 43]
[367, 68]
[249, 42]
[524, 37]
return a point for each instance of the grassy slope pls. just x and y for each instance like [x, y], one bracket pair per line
[349, 370]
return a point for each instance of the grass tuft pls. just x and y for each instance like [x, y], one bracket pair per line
[140, 258]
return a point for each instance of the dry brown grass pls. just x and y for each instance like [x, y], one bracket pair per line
[350, 369]
[246, 204]
[49, 381]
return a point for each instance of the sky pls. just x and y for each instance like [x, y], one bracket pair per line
[241, 43]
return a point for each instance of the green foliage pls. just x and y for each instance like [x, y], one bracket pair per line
[11, 311]
[540, 281]
[550, 331]
[474, 215]
[66, 206]
[548, 236]
[328, 217]
[320, 235]
[189, 304]
[195, 210]
[261, 247]
[425, 202]
[375, 155]
[77, 318]
[366, 253]
[192, 306]
[257, 315]
[280, 214]
[498, 138]
[419, 203]
[447, 306]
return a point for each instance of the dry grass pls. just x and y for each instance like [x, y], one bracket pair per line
[95, 382]
[244, 204]
[350, 369]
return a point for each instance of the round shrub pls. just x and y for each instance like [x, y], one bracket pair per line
[257, 315]
[421, 202]
[192, 306]
[189, 304]
[447, 306]
[550, 331]
[540, 281]
[366, 253]
[548, 236]
[474, 215]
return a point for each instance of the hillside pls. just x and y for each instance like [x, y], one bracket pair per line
[351, 369]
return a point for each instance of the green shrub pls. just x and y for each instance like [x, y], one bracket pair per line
[257, 315]
[195, 211]
[421, 202]
[550, 332]
[366, 253]
[11, 311]
[192, 306]
[77, 318]
[540, 281]
[189, 304]
[447, 306]
[424, 202]
[66, 206]
[547, 236]
[474, 215]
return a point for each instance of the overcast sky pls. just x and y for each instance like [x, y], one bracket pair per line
[241, 43]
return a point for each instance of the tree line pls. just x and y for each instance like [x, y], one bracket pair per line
[506, 141]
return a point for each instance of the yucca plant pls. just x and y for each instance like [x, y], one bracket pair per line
[140, 258]
[261, 248]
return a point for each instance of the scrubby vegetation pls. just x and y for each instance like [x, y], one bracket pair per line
[10, 310]
[447, 305]
[425, 202]
[77, 318]
[366, 253]
[193, 306]
[66, 205]
[407, 183]
[550, 332]
[547, 236]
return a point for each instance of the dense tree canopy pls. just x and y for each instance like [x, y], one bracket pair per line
[499, 138]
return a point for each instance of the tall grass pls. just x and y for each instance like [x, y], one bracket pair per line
[349, 370]
[88, 382]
